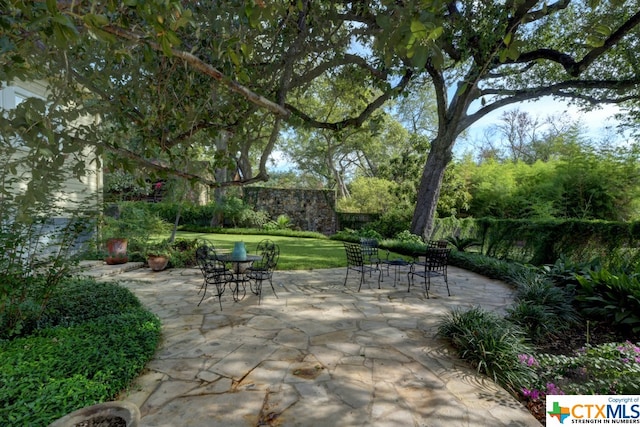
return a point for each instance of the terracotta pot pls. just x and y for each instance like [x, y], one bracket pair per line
[116, 251]
[157, 262]
[101, 414]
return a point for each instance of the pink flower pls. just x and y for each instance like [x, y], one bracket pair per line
[528, 360]
[532, 394]
[553, 389]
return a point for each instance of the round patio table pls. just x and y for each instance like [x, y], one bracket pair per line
[239, 266]
[396, 264]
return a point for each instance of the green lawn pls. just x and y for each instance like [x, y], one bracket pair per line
[296, 253]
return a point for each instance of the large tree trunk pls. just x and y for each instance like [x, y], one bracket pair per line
[430, 183]
[221, 175]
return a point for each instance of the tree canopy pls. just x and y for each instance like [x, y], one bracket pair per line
[220, 78]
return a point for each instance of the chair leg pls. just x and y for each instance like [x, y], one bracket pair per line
[220, 289]
[446, 282]
[272, 288]
[345, 277]
[427, 285]
[259, 290]
[361, 280]
[204, 286]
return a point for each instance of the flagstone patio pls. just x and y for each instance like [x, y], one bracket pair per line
[321, 354]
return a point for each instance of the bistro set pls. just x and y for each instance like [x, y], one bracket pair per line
[235, 270]
[364, 258]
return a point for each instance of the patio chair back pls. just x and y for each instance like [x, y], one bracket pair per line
[437, 244]
[356, 262]
[369, 247]
[370, 250]
[263, 269]
[435, 264]
[270, 254]
[213, 270]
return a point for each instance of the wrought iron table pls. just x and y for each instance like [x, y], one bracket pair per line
[239, 265]
[396, 264]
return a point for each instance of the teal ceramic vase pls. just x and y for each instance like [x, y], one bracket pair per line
[239, 251]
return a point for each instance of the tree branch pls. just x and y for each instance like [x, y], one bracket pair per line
[364, 115]
[203, 67]
[441, 95]
[162, 166]
[549, 10]
[336, 62]
[557, 90]
[575, 68]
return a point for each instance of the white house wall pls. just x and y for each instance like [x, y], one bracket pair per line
[86, 191]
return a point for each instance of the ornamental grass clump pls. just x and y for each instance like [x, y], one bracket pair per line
[489, 343]
[541, 308]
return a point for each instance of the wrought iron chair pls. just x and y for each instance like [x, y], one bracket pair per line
[263, 269]
[370, 251]
[435, 264]
[213, 270]
[437, 244]
[356, 262]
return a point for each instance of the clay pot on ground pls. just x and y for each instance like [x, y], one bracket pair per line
[108, 414]
[116, 251]
[157, 262]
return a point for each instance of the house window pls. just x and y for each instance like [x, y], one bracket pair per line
[18, 99]
[12, 96]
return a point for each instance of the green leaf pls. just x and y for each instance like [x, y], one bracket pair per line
[594, 41]
[437, 58]
[173, 38]
[383, 21]
[503, 55]
[94, 20]
[45, 152]
[52, 6]
[436, 33]
[507, 39]
[6, 45]
[234, 57]
[246, 49]
[418, 29]
[462, 88]
[513, 53]
[420, 56]
[103, 35]
[605, 30]
[166, 46]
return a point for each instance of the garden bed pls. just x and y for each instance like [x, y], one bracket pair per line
[569, 343]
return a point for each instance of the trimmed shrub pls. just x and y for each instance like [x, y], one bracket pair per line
[92, 341]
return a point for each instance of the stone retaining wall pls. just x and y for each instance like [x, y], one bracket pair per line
[309, 210]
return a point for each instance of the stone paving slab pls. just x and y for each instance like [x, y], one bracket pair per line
[321, 354]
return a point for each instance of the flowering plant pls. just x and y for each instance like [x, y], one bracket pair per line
[612, 368]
